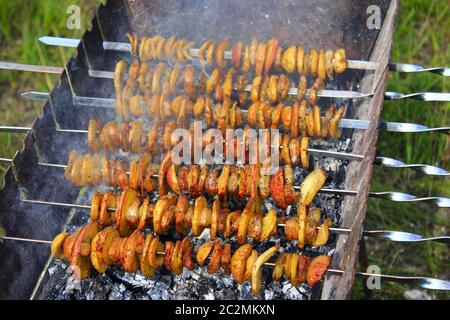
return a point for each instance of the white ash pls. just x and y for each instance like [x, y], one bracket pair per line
[291, 292]
[417, 294]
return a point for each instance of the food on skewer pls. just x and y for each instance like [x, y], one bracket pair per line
[146, 83]
[296, 120]
[135, 212]
[89, 248]
[240, 181]
[147, 89]
[258, 56]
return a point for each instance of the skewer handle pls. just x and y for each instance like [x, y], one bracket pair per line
[423, 96]
[427, 169]
[441, 202]
[400, 236]
[415, 68]
[424, 282]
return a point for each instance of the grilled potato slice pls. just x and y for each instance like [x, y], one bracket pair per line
[317, 267]
[323, 234]
[256, 86]
[269, 224]
[339, 61]
[249, 265]
[277, 189]
[293, 269]
[200, 204]
[204, 251]
[100, 248]
[153, 259]
[221, 48]
[96, 205]
[260, 57]
[311, 185]
[146, 269]
[172, 179]
[162, 206]
[316, 117]
[126, 199]
[246, 216]
[335, 131]
[57, 245]
[214, 219]
[236, 54]
[257, 268]
[278, 270]
[109, 200]
[300, 59]
[223, 180]
[177, 258]
[288, 59]
[271, 52]
[238, 262]
[214, 263]
[80, 261]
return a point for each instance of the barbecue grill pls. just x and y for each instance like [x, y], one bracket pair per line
[38, 202]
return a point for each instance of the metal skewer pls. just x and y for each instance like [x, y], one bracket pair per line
[323, 93]
[344, 123]
[395, 236]
[427, 169]
[343, 94]
[352, 64]
[441, 202]
[381, 161]
[424, 282]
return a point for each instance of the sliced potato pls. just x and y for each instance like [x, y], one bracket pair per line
[100, 248]
[131, 259]
[323, 234]
[293, 261]
[109, 200]
[269, 223]
[288, 59]
[57, 245]
[81, 265]
[214, 264]
[146, 269]
[304, 156]
[246, 216]
[200, 204]
[313, 182]
[162, 206]
[249, 265]
[334, 130]
[126, 199]
[238, 262]
[257, 268]
[317, 268]
[278, 270]
[153, 259]
[203, 252]
[96, 205]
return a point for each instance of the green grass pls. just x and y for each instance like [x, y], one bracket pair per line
[21, 24]
[422, 34]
